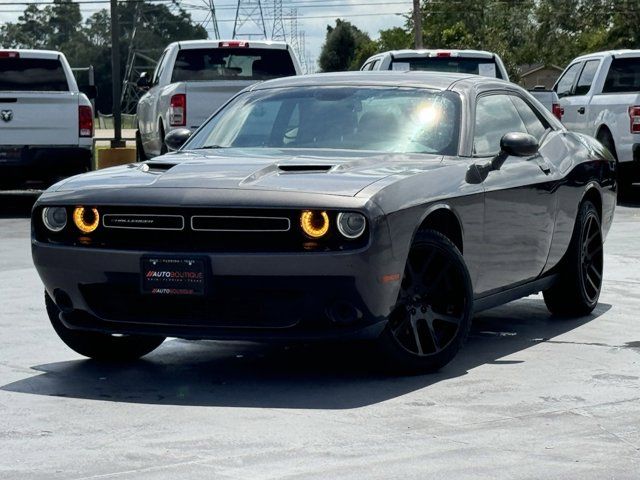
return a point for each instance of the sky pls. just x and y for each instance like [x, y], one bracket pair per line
[370, 16]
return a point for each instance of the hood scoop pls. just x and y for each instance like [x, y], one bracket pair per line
[157, 167]
[304, 168]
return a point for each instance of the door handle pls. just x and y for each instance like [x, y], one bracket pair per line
[544, 165]
[581, 110]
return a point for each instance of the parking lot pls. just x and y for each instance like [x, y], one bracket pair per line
[529, 396]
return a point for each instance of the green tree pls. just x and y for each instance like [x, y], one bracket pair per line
[346, 47]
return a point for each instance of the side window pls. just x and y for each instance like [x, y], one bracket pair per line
[375, 64]
[586, 77]
[565, 84]
[535, 125]
[495, 116]
[367, 66]
[159, 68]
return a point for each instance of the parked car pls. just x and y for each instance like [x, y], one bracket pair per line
[478, 62]
[600, 94]
[46, 123]
[195, 78]
[381, 206]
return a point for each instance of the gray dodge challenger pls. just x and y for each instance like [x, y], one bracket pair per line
[387, 206]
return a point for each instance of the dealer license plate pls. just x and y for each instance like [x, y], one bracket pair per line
[174, 276]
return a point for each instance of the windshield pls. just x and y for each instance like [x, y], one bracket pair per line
[32, 75]
[232, 64]
[389, 119]
[477, 66]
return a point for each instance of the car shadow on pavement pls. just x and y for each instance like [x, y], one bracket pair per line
[17, 204]
[318, 376]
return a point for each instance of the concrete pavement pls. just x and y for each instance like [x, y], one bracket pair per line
[529, 396]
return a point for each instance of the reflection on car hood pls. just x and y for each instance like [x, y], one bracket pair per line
[335, 172]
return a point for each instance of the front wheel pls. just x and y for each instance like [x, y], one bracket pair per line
[432, 316]
[577, 290]
[101, 346]
[141, 156]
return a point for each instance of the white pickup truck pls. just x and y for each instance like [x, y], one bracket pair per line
[195, 78]
[46, 124]
[476, 62]
[600, 94]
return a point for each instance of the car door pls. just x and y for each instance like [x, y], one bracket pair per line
[146, 108]
[576, 102]
[520, 201]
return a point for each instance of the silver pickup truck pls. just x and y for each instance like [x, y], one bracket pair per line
[46, 123]
[195, 78]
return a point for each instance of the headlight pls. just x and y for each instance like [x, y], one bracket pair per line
[314, 224]
[86, 219]
[351, 225]
[54, 218]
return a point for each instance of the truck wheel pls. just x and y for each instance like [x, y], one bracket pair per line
[605, 138]
[432, 316]
[577, 289]
[101, 346]
[163, 146]
[141, 156]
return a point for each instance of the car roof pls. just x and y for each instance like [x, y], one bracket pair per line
[192, 44]
[410, 53]
[623, 53]
[28, 53]
[427, 80]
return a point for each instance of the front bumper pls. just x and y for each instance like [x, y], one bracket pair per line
[47, 164]
[253, 296]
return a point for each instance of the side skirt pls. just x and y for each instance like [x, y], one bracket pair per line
[496, 299]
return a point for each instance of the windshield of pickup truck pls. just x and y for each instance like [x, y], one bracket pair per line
[32, 75]
[477, 66]
[232, 64]
[399, 120]
[623, 76]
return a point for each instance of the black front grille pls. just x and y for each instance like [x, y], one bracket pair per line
[198, 230]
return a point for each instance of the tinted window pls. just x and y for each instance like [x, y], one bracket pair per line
[586, 77]
[565, 84]
[232, 64]
[534, 124]
[623, 76]
[404, 120]
[477, 66]
[495, 116]
[32, 74]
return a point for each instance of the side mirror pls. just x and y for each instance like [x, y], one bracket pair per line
[176, 138]
[90, 91]
[519, 144]
[144, 82]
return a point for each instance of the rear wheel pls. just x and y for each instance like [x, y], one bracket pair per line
[605, 138]
[141, 156]
[163, 146]
[101, 346]
[432, 316]
[577, 290]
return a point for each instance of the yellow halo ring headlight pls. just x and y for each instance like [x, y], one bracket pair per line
[314, 224]
[86, 219]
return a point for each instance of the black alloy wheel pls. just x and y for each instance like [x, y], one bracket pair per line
[431, 318]
[577, 290]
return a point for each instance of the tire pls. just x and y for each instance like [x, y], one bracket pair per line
[432, 316]
[163, 146]
[605, 138]
[141, 156]
[101, 346]
[577, 289]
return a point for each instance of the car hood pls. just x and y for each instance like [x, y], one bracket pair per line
[334, 172]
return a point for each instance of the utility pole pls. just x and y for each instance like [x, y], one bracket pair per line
[115, 76]
[417, 24]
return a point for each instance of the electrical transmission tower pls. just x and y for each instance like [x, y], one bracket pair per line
[293, 30]
[278, 33]
[212, 18]
[249, 20]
